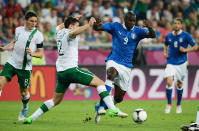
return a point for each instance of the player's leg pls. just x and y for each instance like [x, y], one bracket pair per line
[62, 86]
[169, 89]
[24, 83]
[181, 71]
[109, 83]
[170, 72]
[6, 75]
[119, 94]
[46, 106]
[179, 97]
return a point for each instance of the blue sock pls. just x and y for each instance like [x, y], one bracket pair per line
[108, 88]
[169, 95]
[179, 94]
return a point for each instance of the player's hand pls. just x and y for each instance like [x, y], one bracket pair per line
[147, 23]
[29, 51]
[166, 55]
[92, 21]
[182, 49]
[1, 48]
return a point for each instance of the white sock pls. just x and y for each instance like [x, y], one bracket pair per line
[197, 118]
[108, 99]
[47, 104]
[0, 92]
[37, 114]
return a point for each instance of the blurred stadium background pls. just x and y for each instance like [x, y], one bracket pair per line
[147, 78]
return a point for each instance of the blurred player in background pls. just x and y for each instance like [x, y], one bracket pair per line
[28, 43]
[175, 51]
[119, 62]
[69, 72]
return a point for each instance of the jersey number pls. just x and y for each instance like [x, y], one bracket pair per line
[59, 43]
[125, 40]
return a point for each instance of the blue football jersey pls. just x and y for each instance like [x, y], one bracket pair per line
[124, 42]
[176, 57]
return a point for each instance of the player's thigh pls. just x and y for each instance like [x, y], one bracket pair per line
[170, 70]
[62, 82]
[7, 72]
[181, 71]
[24, 78]
[81, 76]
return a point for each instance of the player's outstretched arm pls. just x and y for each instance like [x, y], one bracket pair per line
[38, 53]
[193, 48]
[9, 46]
[80, 29]
[151, 33]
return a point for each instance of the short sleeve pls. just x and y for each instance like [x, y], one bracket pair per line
[143, 32]
[190, 40]
[40, 40]
[108, 27]
[166, 42]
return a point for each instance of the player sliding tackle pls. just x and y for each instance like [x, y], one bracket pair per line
[119, 62]
[69, 72]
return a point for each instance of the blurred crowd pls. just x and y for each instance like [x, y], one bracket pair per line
[52, 13]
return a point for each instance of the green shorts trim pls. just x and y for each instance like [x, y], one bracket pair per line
[23, 75]
[72, 75]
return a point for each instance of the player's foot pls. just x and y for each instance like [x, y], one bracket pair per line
[99, 111]
[97, 117]
[191, 127]
[117, 112]
[23, 114]
[178, 109]
[168, 109]
[28, 121]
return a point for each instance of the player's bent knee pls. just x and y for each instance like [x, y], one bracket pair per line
[96, 82]
[112, 73]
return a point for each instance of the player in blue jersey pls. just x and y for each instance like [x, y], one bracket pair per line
[119, 62]
[175, 51]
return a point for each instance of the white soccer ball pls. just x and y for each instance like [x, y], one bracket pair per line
[139, 115]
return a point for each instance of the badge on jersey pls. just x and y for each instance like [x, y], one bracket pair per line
[176, 44]
[133, 36]
[180, 39]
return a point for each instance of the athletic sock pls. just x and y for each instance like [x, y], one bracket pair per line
[169, 95]
[109, 86]
[25, 100]
[106, 97]
[197, 118]
[47, 105]
[179, 96]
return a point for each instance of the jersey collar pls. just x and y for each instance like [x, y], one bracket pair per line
[29, 30]
[126, 28]
[178, 32]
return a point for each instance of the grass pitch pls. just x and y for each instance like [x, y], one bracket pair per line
[79, 116]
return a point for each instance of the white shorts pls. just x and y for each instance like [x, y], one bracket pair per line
[178, 71]
[124, 73]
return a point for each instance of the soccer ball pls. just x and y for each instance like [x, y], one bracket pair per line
[139, 115]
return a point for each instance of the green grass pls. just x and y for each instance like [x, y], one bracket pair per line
[70, 116]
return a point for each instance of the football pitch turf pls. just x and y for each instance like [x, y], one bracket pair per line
[79, 116]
